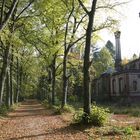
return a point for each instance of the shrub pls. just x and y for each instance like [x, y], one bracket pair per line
[65, 109]
[97, 117]
[3, 109]
[128, 130]
[46, 104]
[73, 98]
[78, 116]
[14, 106]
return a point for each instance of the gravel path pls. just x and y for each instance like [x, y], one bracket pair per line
[32, 122]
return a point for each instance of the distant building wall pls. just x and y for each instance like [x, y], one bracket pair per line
[134, 84]
[119, 84]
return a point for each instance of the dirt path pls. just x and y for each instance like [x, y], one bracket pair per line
[32, 122]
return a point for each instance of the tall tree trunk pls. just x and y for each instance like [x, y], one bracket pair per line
[86, 80]
[4, 71]
[65, 82]
[53, 80]
[8, 89]
[20, 80]
[11, 81]
[18, 84]
[4, 20]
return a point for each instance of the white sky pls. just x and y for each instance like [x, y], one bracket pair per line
[130, 31]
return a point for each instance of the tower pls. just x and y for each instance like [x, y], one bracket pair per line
[117, 51]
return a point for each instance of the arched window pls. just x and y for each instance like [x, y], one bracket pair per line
[135, 85]
[114, 86]
[120, 85]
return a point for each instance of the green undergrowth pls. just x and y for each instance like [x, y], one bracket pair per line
[112, 133]
[98, 116]
[14, 106]
[57, 108]
[4, 109]
[131, 110]
[65, 109]
[121, 131]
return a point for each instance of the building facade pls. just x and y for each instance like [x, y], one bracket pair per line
[124, 81]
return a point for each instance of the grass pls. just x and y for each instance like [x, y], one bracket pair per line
[113, 133]
[132, 110]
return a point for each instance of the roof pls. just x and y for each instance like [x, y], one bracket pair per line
[138, 59]
[127, 71]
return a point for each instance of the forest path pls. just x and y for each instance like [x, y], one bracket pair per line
[31, 121]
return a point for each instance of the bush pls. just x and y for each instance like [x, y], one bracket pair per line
[14, 106]
[46, 104]
[97, 117]
[73, 98]
[3, 110]
[65, 109]
[78, 116]
[128, 131]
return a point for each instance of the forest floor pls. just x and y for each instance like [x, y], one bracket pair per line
[31, 121]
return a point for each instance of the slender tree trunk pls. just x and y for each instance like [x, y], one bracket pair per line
[20, 80]
[65, 82]
[18, 84]
[86, 80]
[3, 72]
[53, 80]
[11, 81]
[4, 22]
[8, 89]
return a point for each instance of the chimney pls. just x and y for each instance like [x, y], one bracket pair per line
[117, 51]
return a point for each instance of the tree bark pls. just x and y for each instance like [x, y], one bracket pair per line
[86, 80]
[65, 82]
[4, 71]
[8, 89]
[20, 80]
[53, 80]
[11, 81]
[17, 88]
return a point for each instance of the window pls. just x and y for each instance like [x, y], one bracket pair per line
[120, 85]
[135, 85]
[114, 86]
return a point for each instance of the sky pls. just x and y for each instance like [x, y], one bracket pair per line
[130, 31]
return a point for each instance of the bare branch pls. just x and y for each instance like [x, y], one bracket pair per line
[29, 4]
[111, 6]
[42, 42]
[67, 24]
[70, 45]
[58, 66]
[83, 6]
[81, 20]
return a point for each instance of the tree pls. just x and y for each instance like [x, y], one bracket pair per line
[109, 45]
[86, 80]
[70, 39]
[93, 26]
[7, 14]
[103, 62]
[12, 14]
